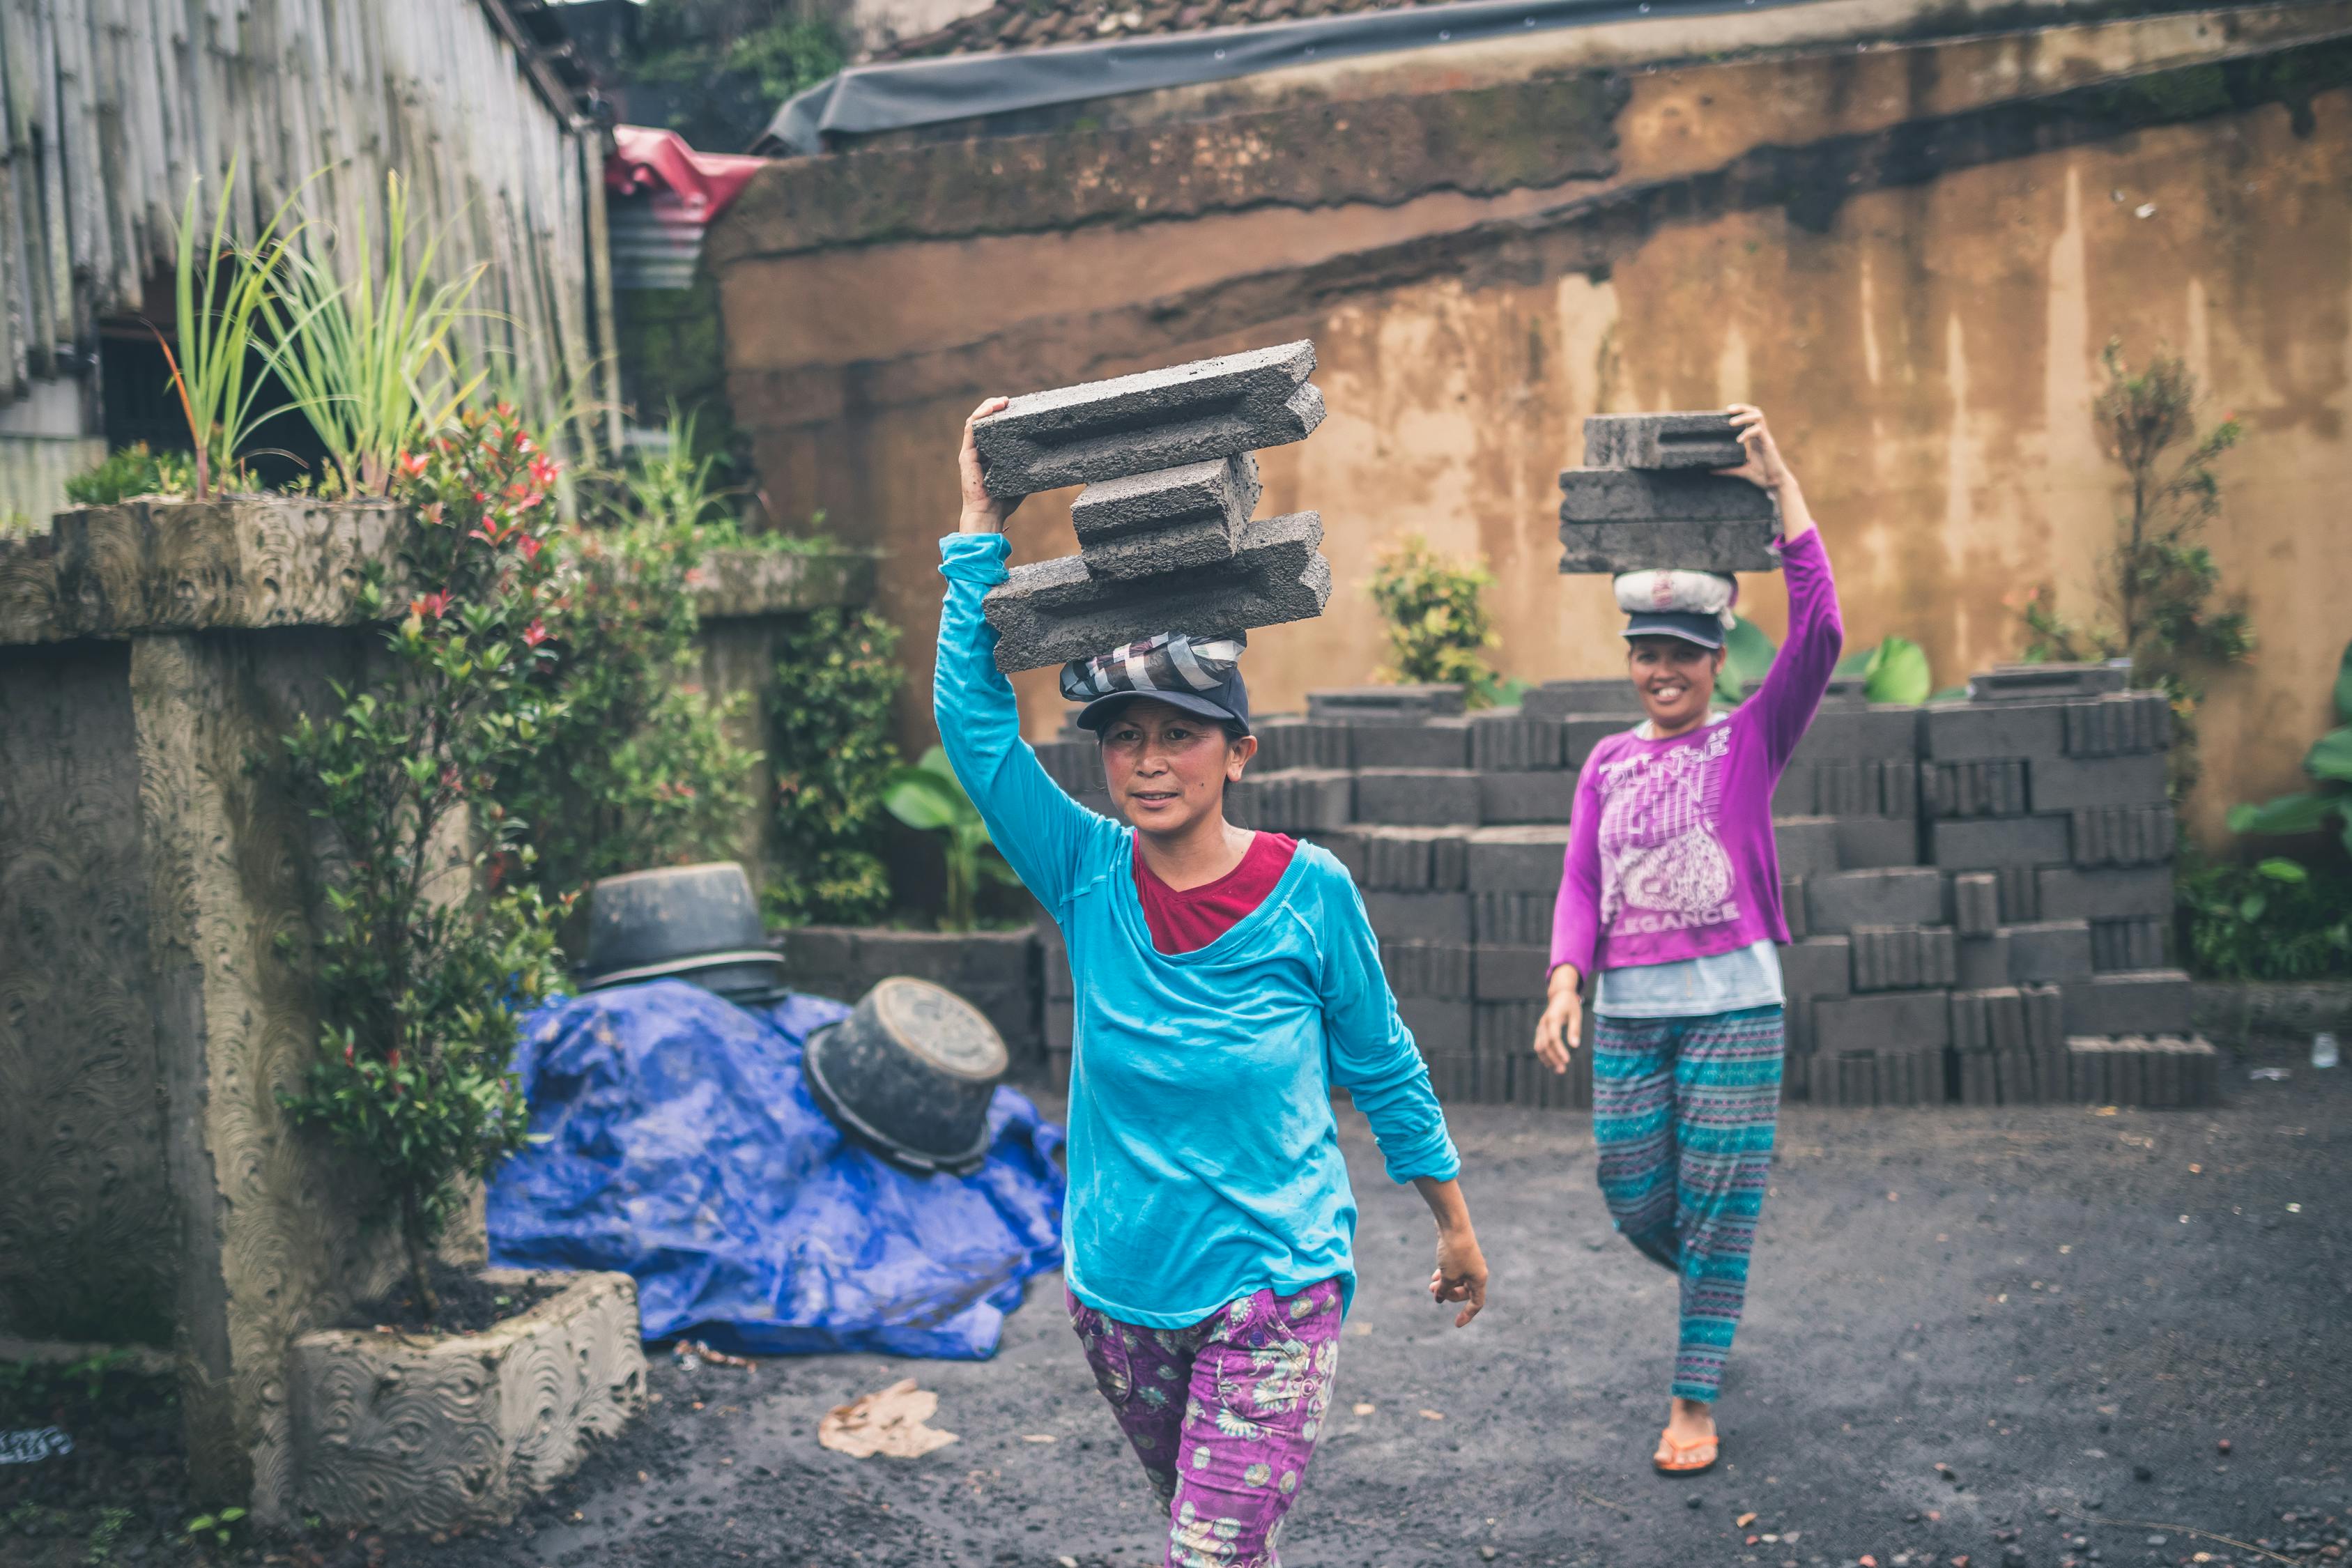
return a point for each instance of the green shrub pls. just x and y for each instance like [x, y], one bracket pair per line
[133, 471]
[2274, 920]
[829, 737]
[2328, 805]
[1438, 622]
[432, 951]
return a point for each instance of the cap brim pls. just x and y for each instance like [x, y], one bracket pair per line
[1703, 630]
[1103, 709]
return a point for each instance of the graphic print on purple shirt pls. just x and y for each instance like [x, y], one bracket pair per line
[1663, 865]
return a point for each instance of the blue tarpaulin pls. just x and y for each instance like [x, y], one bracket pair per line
[678, 1144]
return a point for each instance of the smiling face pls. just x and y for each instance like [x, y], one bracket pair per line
[1675, 679]
[1168, 769]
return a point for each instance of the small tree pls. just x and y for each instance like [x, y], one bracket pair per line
[2161, 582]
[432, 953]
[1437, 618]
[829, 733]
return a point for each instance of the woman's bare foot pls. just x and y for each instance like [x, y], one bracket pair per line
[1688, 1443]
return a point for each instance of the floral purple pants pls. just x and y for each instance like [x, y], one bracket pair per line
[1223, 1414]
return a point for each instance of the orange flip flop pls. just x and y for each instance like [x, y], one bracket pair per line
[1682, 1455]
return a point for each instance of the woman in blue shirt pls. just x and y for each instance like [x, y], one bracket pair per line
[1227, 981]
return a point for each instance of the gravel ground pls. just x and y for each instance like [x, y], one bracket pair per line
[1960, 1323]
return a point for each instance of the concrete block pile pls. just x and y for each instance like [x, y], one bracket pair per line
[1645, 498]
[1977, 892]
[1168, 540]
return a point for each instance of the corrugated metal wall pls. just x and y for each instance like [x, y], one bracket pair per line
[113, 106]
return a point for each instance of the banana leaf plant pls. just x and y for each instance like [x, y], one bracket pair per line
[1894, 671]
[2327, 807]
[929, 797]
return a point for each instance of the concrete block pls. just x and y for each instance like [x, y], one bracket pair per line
[1886, 1022]
[1419, 917]
[1866, 843]
[1861, 734]
[2071, 784]
[1961, 732]
[1559, 698]
[1606, 497]
[1902, 958]
[1076, 765]
[1523, 860]
[1431, 744]
[1512, 919]
[2133, 1002]
[1990, 1020]
[1181, 547]
[1438, 969]
[2140, 892]
[2124, 835]
[1428, 796]
[2049, 953]
[1985, 843]
[1404, 859]
[1610, 548]
[1976, 903]
[1054, 611]
[1896, 896]
[1812, 967]
[2118, 723]
[1807, 845]
[2040, 682]
[1513, 973]
[1385, 704]
[1792, 907]
[1858, 788]
[1530, 798]
[1979, 1079]
[1438, 1023]
[1287, 740]
[1220, 495]
[2127, 945]
[2021, 894]
[1156, 419]
[1061, 1029]
[1703, 440]
[1984, 788]
[1580, 732]
[1453, 1074]
[1793, 794]
[1507, 739]
[1300, 800]
[1979, 962]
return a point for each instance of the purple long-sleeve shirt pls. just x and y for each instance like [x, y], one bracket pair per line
[1670, 851]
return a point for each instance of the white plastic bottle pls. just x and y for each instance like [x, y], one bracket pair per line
[2323, 1049]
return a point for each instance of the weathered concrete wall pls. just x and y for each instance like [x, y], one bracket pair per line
[1911, 254]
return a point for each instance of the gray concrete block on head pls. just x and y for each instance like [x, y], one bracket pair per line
[1419, 917]
[1435, 743]
[1422, 796]
[1976, 903]
[2073, 784]
[2118, 723]
[2041, 682]
[1301, 800]
[2124, 835]
[1980, 961]
[1894, 895]
[2136, 892]
[1441, 968]
[1518, 973]
[1867, 842]
[1509, 740]
[1179, 547]
[1524, 859]
[1608, 547]
[1384, 704]
[1882, 1022]
[1513, 918]
[1530, 797]
[1221, 494]
[1054, 611]
[1964, 732]
[1701, 440]
[2127, 944]
[1807, 845]
[2137, 1002]
[1982, 787]
[1155, 419]
[1559, 698]
[1287, 740]
[1985, 843]
[1610, 495]
[2046, 952]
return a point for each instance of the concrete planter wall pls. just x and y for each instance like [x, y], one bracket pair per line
[150, 1190]
[407, 1432]
[995, 971]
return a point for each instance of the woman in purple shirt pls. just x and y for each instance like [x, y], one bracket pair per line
[1671, 898]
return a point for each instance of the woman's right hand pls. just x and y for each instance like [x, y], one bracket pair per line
[982, 512]
[1562, 1028]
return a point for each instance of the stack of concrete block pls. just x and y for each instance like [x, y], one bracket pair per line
[1166, 539]
[1877, 1034]
[1058, 1019]
[1645, 499]
[2160, 1071]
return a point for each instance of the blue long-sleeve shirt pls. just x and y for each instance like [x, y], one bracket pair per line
[1205, 1160]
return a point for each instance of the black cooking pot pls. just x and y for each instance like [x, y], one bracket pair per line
[911, 1073]
[698, 923]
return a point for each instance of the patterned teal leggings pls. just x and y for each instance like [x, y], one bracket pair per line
[1684, 1110]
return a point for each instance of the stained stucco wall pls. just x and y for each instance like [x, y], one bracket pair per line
[1910, 254]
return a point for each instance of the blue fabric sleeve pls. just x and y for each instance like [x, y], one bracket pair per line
[1041, 833]
[1373, 1057]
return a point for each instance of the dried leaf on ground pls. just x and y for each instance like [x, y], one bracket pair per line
[891, 1421]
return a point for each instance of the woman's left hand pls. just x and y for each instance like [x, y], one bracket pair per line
[1764, 466]
[1460, 1274]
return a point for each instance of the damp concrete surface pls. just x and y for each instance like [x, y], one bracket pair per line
[1975, 1339]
